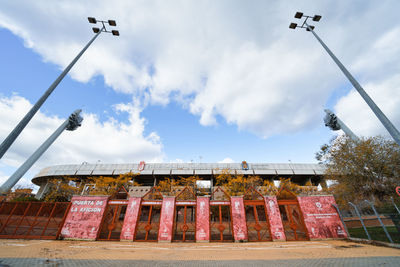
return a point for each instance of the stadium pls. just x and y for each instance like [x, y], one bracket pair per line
[143, 212]
[150, 173]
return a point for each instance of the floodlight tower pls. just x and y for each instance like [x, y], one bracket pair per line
[5, 145]
[71, 124]
[335, 124]
[383, 119]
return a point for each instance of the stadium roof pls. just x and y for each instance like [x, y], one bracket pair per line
[179, 169]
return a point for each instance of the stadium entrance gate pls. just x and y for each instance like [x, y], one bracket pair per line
[149, 217]
[185, 216]
[292, 218]
[220, 217]
[258, 228]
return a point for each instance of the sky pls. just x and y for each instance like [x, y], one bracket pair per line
[193, 81]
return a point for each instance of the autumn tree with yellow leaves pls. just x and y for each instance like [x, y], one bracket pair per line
[167, 185]
[236, 185]
[364, 169]
[63, 189]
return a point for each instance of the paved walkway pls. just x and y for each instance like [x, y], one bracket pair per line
[79, 253]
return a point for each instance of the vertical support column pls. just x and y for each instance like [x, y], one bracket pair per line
[84, 218]
[203, 219]
[131, 219]
[274, 219]
[167, 220]
[238, 219]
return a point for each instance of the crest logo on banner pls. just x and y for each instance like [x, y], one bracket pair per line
[141, 166]
[245, 166]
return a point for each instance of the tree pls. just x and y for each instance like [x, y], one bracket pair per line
[364, 169]
[236, 185]
[168, 185]
[107, 186]
[63, 189]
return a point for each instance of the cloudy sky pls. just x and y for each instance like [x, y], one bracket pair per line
[201, 81]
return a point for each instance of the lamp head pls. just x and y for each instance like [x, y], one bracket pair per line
[92, 20]
[316, 18]
[298, 15]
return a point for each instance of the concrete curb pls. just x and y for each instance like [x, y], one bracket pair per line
[373, 242]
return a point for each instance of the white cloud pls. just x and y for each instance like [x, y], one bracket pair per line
[230, 60]
[379, 70]
[109, 141]
[356, 114]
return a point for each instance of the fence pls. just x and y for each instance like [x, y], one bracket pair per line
[364, 220]
[32, 220]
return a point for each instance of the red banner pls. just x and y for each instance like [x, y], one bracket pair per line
[203, 219]
[167, 219]
[131, 218]
[238, 219]
[84, 218]
[274, 217]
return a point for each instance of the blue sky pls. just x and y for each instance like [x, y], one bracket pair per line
[189, 81]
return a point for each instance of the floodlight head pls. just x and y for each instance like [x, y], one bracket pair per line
[316, 18]
[293, 25]
[92, 20]
[298, 15]
[96, 30]
[116, 33]
[112, 22]
[312, 28]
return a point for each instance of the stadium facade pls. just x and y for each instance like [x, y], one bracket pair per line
[142, 213]
[150, 173]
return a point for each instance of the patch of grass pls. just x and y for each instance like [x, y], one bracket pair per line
[376, 233]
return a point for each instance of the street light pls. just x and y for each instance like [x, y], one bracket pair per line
[71, 124]
[5, 145]
[334, 123]
[381, 116]
[103, 28]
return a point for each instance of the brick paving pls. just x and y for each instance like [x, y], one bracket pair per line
[367, 261]
[82, 253]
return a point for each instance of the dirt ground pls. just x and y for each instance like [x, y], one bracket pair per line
[189, 251]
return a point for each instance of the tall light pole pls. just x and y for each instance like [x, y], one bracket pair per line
[71, 124]
[5, 145]
[384, 120]
[335, 124]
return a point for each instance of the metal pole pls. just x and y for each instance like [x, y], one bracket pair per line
[379, 218]
[361, 220]
[394, 204]
[334, 123]
[21, 125]
[70, 124]
[384, 120]
[341, 218]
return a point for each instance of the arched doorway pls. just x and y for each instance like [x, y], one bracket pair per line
[185, 216]
[258, 228]
[292, 218]
[220, 217]
[114, 216]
